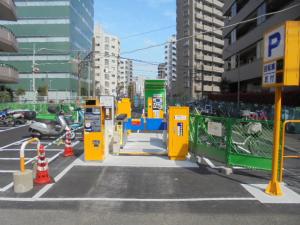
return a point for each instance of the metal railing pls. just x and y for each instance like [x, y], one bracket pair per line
[236, 142]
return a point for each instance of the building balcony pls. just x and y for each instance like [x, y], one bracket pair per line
[208, 68]
[219, 41]
[217, 3]
[8, 10]
[218, 22]
[8, 74]
[217, 50]
[8, 41]
[218, 60]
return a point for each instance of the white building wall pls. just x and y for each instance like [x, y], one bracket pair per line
[125, 76]
[170, 61]
[107, 53]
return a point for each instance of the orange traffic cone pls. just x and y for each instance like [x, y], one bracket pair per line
[42, 173]
[69, 151]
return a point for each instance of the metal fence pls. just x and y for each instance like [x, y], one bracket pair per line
[236, 142]
[39, 107]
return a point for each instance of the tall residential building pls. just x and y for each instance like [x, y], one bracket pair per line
[106, 57]
[139, 83]
[170, 60]
[8, 41]
[243, 49]
[161, 71]
[125, 75]
[53, 36]
[199, 48]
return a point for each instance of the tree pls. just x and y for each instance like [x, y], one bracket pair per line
[5, 96]
[43, 91]
[20, 92]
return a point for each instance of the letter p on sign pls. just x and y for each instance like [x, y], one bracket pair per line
[274, 42]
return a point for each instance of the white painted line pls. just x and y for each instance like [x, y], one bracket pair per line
[13, 128]
[48, 150]
[14, 143]
[56, 179]
[258, 191]
[13, 159]
[8, 171]
[12, 184]
[75, 143]
[124, 199]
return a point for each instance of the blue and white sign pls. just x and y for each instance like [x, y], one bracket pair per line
[269, 73]
[274, 44]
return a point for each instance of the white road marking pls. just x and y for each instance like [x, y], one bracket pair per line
[13, 128]
[13, 159]
[56, 179]
[13, 143]
[33, 149]
[12, 184]
[124, 199]
[8, 171]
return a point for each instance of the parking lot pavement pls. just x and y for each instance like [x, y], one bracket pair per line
[11, 141]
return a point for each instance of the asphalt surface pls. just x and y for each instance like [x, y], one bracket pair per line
[141, 183]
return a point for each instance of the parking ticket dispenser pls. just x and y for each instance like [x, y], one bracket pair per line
[108, 105]
[178, 132]
[155, 107]
[94, 141]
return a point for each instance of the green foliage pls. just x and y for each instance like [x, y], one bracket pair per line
[5, 96]
[20, 92]
[43, 91]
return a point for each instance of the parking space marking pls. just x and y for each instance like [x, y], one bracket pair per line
[8, 171]
[56, 179]
[13, 159]
[124, 199]
[13, 128]
[13, 143]
[10, 185]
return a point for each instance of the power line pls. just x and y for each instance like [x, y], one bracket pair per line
[204, 32]
[147, 32]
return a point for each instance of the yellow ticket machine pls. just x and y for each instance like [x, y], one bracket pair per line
[94, 146]
[178, 133]
[155, 107]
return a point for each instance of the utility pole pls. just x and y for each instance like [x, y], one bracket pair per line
[33, 76]
[78, 74]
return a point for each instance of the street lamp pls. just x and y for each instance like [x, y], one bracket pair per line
[35, 70]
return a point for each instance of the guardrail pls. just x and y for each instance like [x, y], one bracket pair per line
[283, 156]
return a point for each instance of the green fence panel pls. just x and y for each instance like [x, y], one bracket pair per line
[236, 142]
[206, 144]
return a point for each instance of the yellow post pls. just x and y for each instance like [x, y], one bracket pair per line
[274, 187]
[22, 164]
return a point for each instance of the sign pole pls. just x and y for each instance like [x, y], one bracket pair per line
[274, 187]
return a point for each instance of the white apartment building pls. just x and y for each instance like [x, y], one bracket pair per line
[170, 61]
[106, 58]
[125, 75]
[161, 71]
[200, 49]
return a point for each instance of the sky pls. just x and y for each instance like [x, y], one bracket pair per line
[125, 18]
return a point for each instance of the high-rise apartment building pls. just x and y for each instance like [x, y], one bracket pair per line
[243, 50]
[125, 76]
[199, 48]
[170, 61]
[51, 36]
[106, 59]
[8, 41]
[161, 71]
